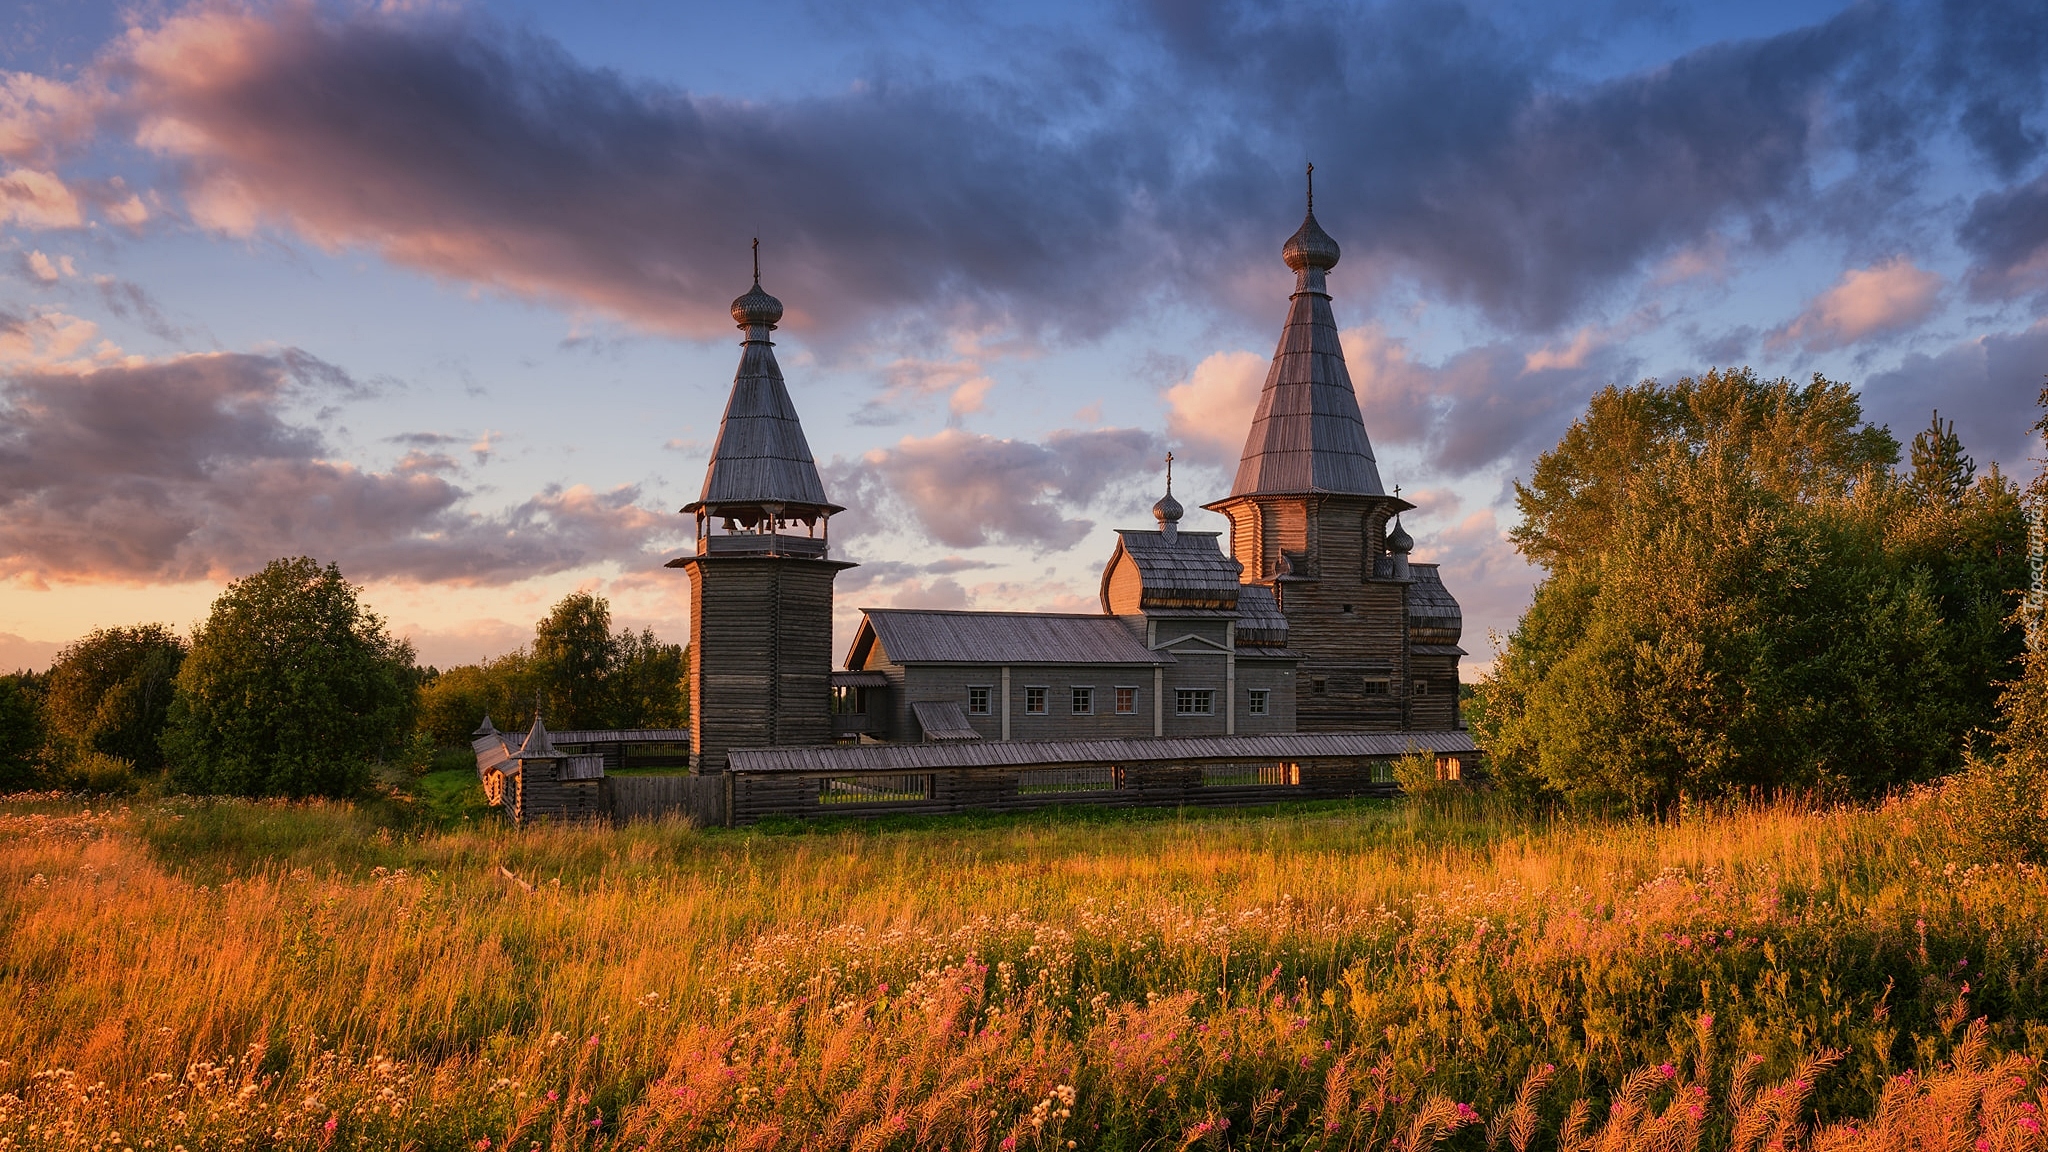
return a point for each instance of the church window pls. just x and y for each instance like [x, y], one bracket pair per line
[1034, 701]
[1083, 701]
[978, 699]
[1194, 701]
[1422, 687]
[1319, 685]
[1379, 685]
[1258, 701]
[1126, 701]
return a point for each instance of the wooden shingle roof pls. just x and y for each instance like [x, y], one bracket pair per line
[921, 636]
[1307, 435]
[1188, 572]
[761, 456]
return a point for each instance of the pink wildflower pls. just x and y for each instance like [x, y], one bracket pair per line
[553, 1095]
[330, 1125]
[1009, 1144]
[1466, 1113]
[484, 1145]
[1666, 1071]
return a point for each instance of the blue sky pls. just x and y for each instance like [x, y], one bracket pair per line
[438, 291]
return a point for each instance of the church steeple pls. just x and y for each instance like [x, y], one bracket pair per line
[762, 475]
[1307, 436]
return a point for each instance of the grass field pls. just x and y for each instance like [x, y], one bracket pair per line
[233, 975]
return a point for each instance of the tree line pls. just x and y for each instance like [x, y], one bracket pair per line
[293, 687]
[1748, 588]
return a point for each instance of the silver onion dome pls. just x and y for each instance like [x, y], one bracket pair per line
[1398, 539]
[1310, 246]
[757, 308]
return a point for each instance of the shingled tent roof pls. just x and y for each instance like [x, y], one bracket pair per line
[1307, 435]
[761, 456]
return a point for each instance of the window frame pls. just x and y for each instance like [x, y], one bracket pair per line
[1044, 697]
[1183, 697]
[1080, 699]
[1376, 686]
[988, 699]
[1122, 699]
[1259, 702]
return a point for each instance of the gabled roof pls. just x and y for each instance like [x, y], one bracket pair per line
[921, 636]
[761, 456]
[1307, 435]
[1188, 572]
[943, 720]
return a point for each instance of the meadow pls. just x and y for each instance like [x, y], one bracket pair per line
[181, 974]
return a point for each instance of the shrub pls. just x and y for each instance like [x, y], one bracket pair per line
[101, 774]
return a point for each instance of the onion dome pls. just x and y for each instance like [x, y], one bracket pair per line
[1166, 511]
[1310, 246]
[1398, 539]
[757, 308]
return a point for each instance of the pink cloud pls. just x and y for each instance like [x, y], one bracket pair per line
[1209, 414]
[38, 200]
[1871, 301]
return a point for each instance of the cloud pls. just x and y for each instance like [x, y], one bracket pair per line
[37, 200]
[1873, 301]
[2007, 232]
[1040, 195]
[1987, 385]
[188, 469]
[1210, 413]
[50, 341]
[18, 653]
[46, 269]
[965, 490]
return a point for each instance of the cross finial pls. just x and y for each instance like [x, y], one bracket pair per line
[1397, 490]
[1311, 187]
[757, 261]
[1169, 473]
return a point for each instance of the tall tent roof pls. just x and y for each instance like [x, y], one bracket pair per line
[761, 456]
[1307, 435]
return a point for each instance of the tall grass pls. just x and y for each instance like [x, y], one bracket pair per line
[236, 975]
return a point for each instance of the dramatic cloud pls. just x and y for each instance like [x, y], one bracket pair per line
[965, 490]
[1883, 298]
[1210, 413]
[1061, 197]
[38, 200]
[1987, 385]
[187, 469]
[2007, 232]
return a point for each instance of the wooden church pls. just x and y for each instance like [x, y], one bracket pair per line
[1304, 646]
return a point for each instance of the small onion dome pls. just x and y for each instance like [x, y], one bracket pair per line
[757, 308]
[1398, 539]
[1310, 247]
[1167, 511]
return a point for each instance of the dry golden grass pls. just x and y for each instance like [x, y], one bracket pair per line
[239, 976]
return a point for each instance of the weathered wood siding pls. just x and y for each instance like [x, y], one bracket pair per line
[760, 653]
[701, 798]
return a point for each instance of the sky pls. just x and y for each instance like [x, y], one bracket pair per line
[439, 291]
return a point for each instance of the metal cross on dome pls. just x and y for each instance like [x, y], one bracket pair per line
[1169, 473]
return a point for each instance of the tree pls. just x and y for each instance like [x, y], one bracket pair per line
[573, 654]
[1735, 597]
[1942, 472]
[586, 675]
[110, 692]
[292, 688]
[21, 731]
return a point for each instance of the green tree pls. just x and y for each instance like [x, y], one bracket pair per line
[454, 702]
[1733, 600]
[292, 688]
[21, 731]
[110, 693]
[1942, 471]
[573, 655]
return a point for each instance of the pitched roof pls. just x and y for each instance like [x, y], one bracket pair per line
[1189, 571]
[1307, 435]
[761, 455]
[537, 745]
[1429, 599]
[921, 636]
[943, 720]
[1259, 619]
[1135, 750]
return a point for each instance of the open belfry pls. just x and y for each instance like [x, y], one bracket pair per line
[760, 581]
[1300, 653]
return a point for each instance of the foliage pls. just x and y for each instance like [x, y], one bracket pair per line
[21, 731]
[1740, 594]
[110, 693]
[233, 974]
[587, 675]
[1419, 777]
[100, 774]
[292, 688]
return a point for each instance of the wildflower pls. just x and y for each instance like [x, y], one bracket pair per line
[484, 1145]
[1466, 1113]
[1666, 1071]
